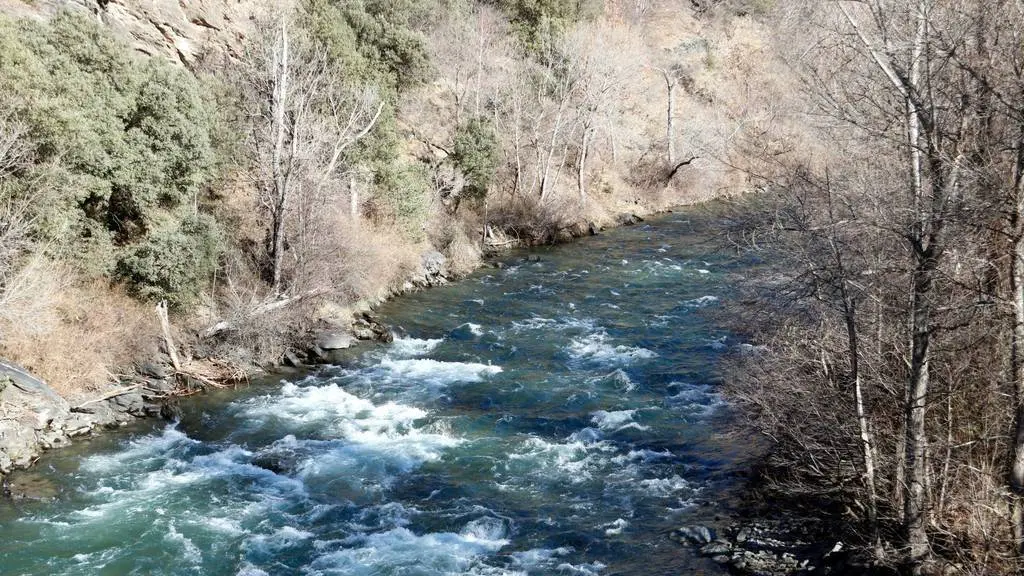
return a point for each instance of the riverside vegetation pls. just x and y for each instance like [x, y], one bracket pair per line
[333, 151]
[266, 180]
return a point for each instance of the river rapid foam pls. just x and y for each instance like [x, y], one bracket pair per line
[558, 416]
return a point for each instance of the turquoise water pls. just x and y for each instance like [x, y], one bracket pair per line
[552, 417]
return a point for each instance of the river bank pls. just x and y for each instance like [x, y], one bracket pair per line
[35, 419]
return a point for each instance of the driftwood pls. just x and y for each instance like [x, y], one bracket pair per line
[265, 308]
[108, 396]
[165, 326]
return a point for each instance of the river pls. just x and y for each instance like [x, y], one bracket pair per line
[559, 415]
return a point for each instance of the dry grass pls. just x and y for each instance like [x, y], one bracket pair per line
[464, 253]
[72, 334]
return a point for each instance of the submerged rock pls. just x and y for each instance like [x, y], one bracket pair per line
[695, 535]
[277, 461]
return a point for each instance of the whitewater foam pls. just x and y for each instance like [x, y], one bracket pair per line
[401, 551]
[413, 347]
[616, 421]
[597, 348]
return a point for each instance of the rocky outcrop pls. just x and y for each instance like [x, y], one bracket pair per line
[772, 548]
[34, 418]
[186, 31]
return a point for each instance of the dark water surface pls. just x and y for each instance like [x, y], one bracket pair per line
[552, 417]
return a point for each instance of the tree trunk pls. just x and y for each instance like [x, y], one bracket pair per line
[670, 118]
[915, 502]
[916, 448]
[1017, 348]
[862, 419]
[581, 169]
[353, 196]
[280, 131]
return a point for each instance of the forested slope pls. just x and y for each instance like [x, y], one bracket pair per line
[265, 169]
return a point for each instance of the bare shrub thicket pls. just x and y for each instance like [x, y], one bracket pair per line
[892, 382]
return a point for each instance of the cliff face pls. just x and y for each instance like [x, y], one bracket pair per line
[187, 31]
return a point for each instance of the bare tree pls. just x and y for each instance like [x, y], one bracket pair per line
[302, 117]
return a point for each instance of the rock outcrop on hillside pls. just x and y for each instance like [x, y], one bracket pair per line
[186, 31]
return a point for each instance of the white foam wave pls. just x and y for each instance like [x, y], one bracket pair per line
[189, 551]
[400, 551]
[438, 372]
[596, 347]
[615, 528]
[564, 323]
[140, 451]
[664, 487]
[374, 439]
[701, 302]
[281, 539]
[412, 347]
[616, 421]
[697, 400]
[576, 460]
[590, 569]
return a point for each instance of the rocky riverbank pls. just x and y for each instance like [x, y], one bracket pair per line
[34, 418]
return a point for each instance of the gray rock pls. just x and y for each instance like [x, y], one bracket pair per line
[131, 403]
[19, 378]
[335, 340]
[696, 535]
[291, 359]
[154, 370]
[363, 332]
[434, 263]
[34, 417]
[317, 355]
[716, 548]
[368, 327]
[100, 412]
[277, 461]
[154, 387]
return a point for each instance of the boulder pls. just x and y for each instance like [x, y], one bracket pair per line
[695, 535]
[628, 219]
[34, 417]
[129, 403]
[277, 461]
[157, 388]
[716, 548]
[434, 263]
[154, 370]
[335, 340]
[368, 327]
[291, 359]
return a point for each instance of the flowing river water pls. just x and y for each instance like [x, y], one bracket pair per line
[556, 416]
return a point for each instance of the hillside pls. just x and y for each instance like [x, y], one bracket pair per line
[267, 173]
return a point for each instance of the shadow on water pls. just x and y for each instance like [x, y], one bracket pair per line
[557, 415]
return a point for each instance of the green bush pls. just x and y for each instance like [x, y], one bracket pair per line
[123, 140]
[402, 194]
[476, 153]
[173, 264]
[541, 22]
